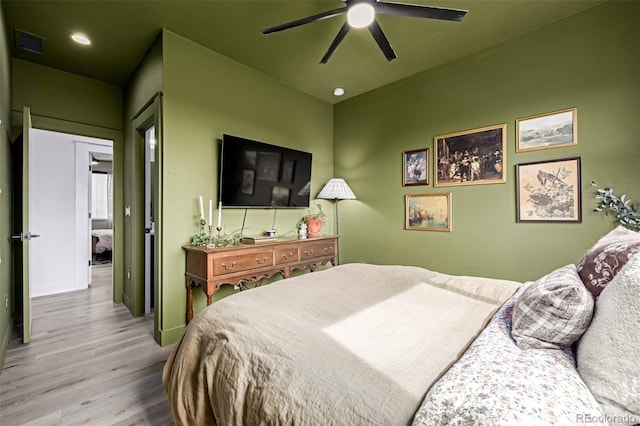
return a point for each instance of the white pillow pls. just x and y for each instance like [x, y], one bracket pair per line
[609, 351]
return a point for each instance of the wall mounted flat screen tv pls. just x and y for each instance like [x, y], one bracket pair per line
[259, 175]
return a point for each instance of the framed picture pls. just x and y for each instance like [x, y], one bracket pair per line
[415, 167]
[428, 212]
[287, 170]
[544, 131]
[248, 178]
[279, 196]
[268, 166]
[250, 157]
[549, 191]
[471, 157]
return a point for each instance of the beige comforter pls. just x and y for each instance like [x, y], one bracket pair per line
[352, 345]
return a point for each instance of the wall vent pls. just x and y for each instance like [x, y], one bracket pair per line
[29, 42]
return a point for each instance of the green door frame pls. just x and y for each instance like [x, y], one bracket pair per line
[133, 295]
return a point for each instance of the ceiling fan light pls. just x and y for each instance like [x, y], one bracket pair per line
[361, 15]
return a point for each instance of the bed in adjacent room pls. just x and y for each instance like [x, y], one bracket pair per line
[101, 244]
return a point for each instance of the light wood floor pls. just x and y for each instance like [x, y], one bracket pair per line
[89, 362]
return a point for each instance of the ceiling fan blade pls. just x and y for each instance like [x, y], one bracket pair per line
[307, 20]
[336, 41]
[381, 39]
[417, 11]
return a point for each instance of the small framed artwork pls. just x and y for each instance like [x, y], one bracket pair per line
[248, 178]
[428, 212]
[280, 196]
[472, 157]
[415, 167]
[268, 166]
[250, 157]
[287, 170]
[545, 131]
[549, 191]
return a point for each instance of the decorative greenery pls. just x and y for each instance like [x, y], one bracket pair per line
[201, 239]
[626, 212]
[319, 215]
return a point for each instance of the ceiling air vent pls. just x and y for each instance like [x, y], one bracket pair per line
[29, 42]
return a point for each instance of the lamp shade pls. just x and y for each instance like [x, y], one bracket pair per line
[337, 189]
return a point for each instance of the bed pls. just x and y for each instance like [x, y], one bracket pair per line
[362, 344]
[101, 242]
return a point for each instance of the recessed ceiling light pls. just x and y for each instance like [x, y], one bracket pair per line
[81, 39]
[338, 91]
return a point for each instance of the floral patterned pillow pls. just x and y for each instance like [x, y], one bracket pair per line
[603, 261]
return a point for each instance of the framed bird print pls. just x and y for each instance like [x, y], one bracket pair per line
[549, 191]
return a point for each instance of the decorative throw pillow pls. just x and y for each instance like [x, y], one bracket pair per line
[603, 261]
[552, 312]
[607, 354]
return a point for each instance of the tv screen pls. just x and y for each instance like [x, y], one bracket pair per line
[259, 175]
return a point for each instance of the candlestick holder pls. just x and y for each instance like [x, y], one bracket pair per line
[201, 239]
[219, 241]
[211, 243]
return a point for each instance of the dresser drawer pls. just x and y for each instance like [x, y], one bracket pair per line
[317, 249]
[235, 262]
[287, 254]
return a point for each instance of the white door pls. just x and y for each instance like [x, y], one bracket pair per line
[23, 251]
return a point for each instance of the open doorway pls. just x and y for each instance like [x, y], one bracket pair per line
[59, 208]
[101, 215]
[150, 177]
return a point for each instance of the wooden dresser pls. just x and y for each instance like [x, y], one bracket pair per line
[250, 263]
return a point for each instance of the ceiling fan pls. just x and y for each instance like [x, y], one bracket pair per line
[362, 13]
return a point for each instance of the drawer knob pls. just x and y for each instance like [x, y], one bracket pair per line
[308, 252]
[287, 256]
[264, 260]
[229, 267]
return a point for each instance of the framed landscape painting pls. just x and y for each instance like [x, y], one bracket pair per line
[428, 212]
[545, 131]
[549, 191]
[471, 157]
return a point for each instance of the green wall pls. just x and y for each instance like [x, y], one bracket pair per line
[590, 61]
[6, 292]
[140, 90]
[205, 95]
[62, 95]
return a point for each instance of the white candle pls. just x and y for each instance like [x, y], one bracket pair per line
[210, 211]
[220, 214]
[201, 209]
